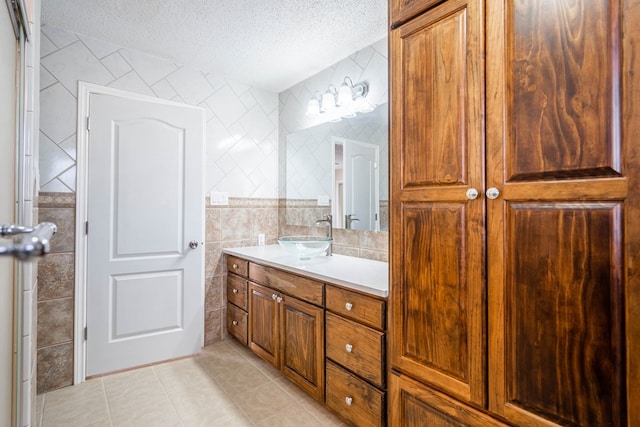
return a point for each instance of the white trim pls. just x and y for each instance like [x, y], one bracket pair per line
[85, 90]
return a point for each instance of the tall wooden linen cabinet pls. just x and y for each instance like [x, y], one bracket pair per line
[515, 213]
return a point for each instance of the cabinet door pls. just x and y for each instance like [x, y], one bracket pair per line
[437, 247]
[302, 332]
[263, 323]
[555, 233]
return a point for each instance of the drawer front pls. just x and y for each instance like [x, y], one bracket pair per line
[238, 266]
[300, 287]
[358, 348]
[354, 399]
[237, 291]
[237, 323]
[355, 306]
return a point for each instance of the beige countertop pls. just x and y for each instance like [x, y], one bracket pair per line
[360, 274]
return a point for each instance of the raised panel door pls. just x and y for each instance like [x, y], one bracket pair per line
[556, 241]
[302, 332]
[437, 249]
[263, 323]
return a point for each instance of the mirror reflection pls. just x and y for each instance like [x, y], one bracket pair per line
[340, 168]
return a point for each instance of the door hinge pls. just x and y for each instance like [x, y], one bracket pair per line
[85, 333]
[88, 123]
[86, 227]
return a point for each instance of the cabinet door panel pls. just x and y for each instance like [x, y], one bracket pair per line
[303, 345]
[556, 233]
[565, 113]
[263, 324]
[437, 154]
[564, 310]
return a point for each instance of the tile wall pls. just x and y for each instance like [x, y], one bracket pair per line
[243, 160]
[304, 144]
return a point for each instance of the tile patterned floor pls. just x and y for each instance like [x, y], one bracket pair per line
[224, 385]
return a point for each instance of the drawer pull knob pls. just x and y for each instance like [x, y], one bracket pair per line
[235, 323]
[235, 266]
[348, 306]
[235, 291]
[348, 400]
[348, 348]
[274, 296]
[279, 300]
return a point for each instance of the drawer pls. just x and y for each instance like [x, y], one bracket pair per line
[300, 287]
[355, 306]
[237, 323]
[238, 266]
[237, 291]
[354, 399]
[358, 348]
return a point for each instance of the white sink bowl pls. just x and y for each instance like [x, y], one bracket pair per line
[305, 247]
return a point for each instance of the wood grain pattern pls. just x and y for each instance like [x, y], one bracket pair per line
[237, 291]
[264, 338]
[402, 10]
[238, 266]
[237, 323]
[564, 309]
[367, 405]
[366, 358]
[437, 290]
[300, 287]
[433, 69]
[364, 309]
[414, 404]
[631, 133]
[302, 334]
[565, 105]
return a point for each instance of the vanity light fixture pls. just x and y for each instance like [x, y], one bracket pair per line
[345, 102]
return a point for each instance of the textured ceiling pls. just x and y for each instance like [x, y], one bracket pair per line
[272, 44]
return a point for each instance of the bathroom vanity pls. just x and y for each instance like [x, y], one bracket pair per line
[321, 322]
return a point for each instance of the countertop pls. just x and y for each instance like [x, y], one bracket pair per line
[359, 274]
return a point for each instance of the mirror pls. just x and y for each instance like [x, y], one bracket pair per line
[340, 168]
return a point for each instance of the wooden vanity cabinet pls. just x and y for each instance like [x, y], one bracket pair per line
[288, 332]
[515, 193]
[356, 369]
[237, 286]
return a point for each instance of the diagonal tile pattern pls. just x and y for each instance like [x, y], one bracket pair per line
[224, 385]
[241, 119]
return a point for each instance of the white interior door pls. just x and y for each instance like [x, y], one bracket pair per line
[361, 184]
[145, 284]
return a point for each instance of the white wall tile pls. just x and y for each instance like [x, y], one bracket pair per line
[235, 112]
[226, 105]
[191, 85]
[46, 78]
[99, 48]
[60, 38]
[75, 62]
[57, 113]
[116, 65]
[133, 83]
[150, 68]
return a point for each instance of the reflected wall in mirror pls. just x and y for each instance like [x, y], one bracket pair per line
[338, 167]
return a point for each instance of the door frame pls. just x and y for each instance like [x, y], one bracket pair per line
[85, 90]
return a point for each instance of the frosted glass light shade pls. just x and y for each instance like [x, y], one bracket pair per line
[313, 107]
[328, 102]
[344, 95]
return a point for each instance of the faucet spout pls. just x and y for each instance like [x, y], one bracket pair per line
[328, 221]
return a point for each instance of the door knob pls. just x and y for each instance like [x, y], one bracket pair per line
[472, 194]
[193, 244]
[493, 193]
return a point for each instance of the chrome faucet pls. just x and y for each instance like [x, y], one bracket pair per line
[328, 221]
[348, 221]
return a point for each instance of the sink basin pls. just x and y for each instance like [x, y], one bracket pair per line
[305, 247]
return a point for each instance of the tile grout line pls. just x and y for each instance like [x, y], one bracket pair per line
[106, 400]
[155, 373]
